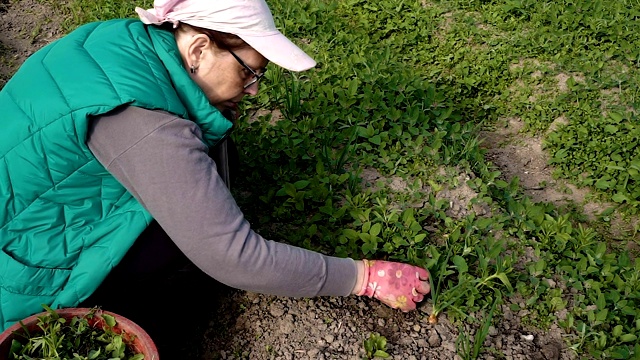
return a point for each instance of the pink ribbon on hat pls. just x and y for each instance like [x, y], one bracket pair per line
[158, 14]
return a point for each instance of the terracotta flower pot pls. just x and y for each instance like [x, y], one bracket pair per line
[139, 340]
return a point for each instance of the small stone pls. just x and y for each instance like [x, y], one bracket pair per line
[434, 340]
[449, 346]
[493, 331]
[384, 312]
[329, 338]
[416, 328]
[527, 337]
[276, 310]
[287, 326]
[552, 283]
[551, 351]
[313, 353]
[498, 342]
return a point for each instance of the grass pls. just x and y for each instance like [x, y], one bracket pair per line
[402, 89]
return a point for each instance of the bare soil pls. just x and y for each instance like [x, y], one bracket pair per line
[193, 317]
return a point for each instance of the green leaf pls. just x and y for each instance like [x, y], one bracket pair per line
[617, 331]
[290, 189]
[603, 183]
[505, 280]
[381, 354]
[602, 315]
[611, 129]
[367, 248]
[617, 117]
[109, 320]
[600, 302]
[619, 198]
[602, 340]
[351, 234]
[556, 303]
[628, 338]
[484, 223]
[460, 263]
[620, 352]
[501, 184]
[301, 184]
[375, 229]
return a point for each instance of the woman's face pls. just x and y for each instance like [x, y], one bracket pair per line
[222, 76]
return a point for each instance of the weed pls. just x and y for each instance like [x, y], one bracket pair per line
[375, 347]
[471, 350]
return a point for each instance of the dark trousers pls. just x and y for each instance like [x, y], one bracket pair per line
[156, 279]
[153, 258]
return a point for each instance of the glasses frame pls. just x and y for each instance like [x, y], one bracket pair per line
[256, 77]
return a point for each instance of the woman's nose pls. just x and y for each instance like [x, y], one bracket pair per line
[252, 89]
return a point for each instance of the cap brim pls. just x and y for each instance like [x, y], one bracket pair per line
[280, 51]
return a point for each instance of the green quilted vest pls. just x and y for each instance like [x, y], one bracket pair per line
[65, 222]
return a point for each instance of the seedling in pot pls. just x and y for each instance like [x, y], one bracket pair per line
[74, 339]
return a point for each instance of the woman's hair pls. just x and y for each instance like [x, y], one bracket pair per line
[222, 40]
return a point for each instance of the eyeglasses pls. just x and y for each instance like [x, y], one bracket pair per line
[255, 78]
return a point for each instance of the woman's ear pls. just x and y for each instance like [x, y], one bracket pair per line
[196, 48]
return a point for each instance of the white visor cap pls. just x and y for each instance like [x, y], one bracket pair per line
[251, 20]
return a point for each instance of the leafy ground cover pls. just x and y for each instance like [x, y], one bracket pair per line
[494, 142]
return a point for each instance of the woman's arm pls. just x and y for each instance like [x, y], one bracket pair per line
[163, 162]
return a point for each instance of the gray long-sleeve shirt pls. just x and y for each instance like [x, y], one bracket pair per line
[162, 160]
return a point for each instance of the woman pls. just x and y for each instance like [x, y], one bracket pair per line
[106, 133]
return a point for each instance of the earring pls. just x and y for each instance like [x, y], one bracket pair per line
[192, 69]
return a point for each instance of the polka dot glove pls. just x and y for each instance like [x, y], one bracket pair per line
[398, 285]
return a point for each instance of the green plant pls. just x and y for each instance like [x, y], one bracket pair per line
[375, 346]
[291, 97]
[471, 350]
[460, 291]
[76, 339]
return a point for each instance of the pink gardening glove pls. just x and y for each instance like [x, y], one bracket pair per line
[398, 285]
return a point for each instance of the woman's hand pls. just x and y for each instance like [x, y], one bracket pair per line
[398, 285]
